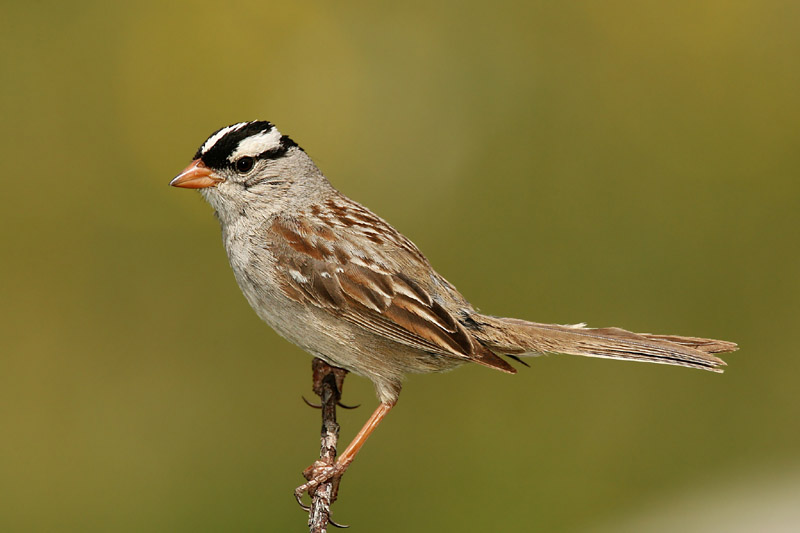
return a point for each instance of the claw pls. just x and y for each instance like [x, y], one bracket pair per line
[315, 406]
[334, 524]
[299, 497]
[340, 404]
[307, 508]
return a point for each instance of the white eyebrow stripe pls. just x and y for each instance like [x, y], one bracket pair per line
[257, 144]
[219, 135]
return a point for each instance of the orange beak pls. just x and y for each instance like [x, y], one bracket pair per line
[196, 176]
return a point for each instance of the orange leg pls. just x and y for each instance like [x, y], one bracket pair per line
[358, 441]
[320, 472]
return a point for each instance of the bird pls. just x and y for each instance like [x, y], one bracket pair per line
[335, 279]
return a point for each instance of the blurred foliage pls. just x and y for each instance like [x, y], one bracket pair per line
[620, 163]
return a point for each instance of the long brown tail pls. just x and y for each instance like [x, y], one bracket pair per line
[517, 337]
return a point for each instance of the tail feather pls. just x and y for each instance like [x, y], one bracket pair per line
[516, 337]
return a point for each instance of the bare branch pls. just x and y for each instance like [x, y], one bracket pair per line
[328, 382]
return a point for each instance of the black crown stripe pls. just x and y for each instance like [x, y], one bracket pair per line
[217, 155]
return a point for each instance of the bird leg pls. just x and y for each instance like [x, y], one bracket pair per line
[321, 472]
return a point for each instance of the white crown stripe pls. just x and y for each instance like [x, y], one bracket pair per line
[219, 135]
[257, 144]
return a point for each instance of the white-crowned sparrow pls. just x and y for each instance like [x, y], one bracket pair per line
[335, 279]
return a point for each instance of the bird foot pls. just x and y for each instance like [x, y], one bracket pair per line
[318, 473]
[319, 406]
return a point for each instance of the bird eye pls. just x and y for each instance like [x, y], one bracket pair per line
[244, 164]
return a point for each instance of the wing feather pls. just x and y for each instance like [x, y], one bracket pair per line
[345, 272]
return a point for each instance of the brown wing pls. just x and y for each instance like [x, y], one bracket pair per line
[354, 265]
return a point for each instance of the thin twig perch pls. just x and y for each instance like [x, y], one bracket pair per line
[328, 382]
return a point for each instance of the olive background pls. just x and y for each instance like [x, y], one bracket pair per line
[619, 163]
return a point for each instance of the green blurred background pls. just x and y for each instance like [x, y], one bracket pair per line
[619, 163]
